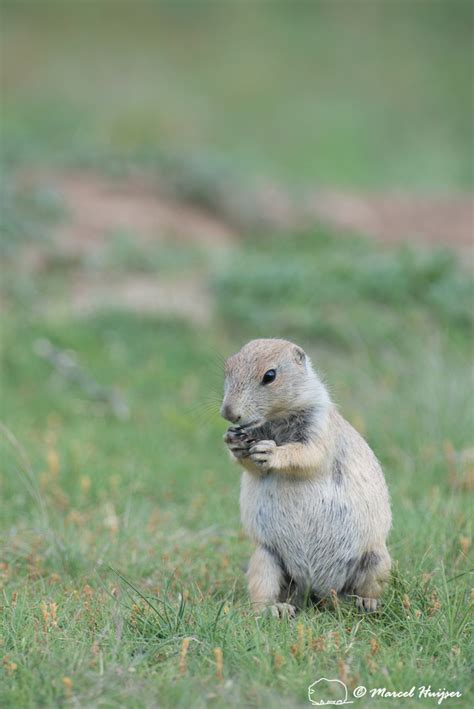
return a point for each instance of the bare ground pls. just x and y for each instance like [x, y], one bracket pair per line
[98, 207]
[397, 217]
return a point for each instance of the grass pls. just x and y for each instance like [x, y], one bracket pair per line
[368, 94]
[123, 540]
[123, 561]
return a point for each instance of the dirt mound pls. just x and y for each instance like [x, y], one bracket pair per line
[396, 217]
[98, 207]
[186, 298]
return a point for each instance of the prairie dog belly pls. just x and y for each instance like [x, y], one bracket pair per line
[310, 525]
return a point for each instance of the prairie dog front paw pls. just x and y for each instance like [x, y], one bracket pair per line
[263, 454]
[238, 442]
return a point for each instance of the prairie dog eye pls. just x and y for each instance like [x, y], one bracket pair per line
[269, 376]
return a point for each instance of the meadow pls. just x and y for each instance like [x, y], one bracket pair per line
[123, 561]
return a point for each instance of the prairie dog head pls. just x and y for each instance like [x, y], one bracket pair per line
[268, 380]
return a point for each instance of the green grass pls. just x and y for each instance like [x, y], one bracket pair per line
[132, 527]
[355, 93]
[121, 537]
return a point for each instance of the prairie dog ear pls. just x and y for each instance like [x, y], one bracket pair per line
[299, 354]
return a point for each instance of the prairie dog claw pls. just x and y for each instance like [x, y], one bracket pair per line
[280, 610]
[368, 605]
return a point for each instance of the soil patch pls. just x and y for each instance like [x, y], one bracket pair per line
[98, 207]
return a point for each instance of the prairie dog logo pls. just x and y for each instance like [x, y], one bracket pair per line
[325, 691]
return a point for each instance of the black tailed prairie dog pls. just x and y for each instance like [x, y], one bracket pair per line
[313, 495]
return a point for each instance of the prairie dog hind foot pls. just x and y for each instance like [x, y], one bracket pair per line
[367, 605]
[280, 610]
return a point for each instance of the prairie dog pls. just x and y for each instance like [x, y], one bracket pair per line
[313, 495]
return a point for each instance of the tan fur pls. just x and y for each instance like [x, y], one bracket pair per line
[264, 576]
[313, 495]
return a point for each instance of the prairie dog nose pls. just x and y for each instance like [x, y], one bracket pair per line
[228, 413]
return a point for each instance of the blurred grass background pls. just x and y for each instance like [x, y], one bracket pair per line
[134, 137]
[347, 93]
